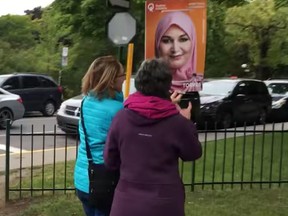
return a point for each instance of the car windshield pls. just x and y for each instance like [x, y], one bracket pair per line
[217, 87]
[2, 79]
[278, 88]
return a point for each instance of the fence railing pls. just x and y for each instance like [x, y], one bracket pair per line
[236, 158]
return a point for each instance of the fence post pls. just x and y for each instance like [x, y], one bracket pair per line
[7, 168]
[193, 176]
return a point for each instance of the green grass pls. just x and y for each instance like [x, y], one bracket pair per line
[255, 202]
[243, 159]
[266, 202]
[43, 180]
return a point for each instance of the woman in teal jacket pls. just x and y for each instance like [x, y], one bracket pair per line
[102, 90]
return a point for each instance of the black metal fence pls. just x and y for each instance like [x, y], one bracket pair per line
[237, 158]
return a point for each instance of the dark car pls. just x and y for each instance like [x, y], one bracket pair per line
[38, 92]
[279, 92]
[226, 101]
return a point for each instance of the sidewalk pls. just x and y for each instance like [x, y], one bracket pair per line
[38, 158]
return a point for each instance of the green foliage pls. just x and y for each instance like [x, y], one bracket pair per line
[4, 56]
[261, 28]
[239, 31]
[229, 3]
[17, 44]
[216, 65]
[281, 3]
[17, 31]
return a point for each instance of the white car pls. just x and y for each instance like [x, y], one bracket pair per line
[279, 92]
[69, 111]
[11, 108]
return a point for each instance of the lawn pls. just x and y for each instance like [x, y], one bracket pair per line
[254, 202]
[255, 158]
[261, 159]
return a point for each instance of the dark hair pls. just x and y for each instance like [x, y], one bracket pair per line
[154, 78]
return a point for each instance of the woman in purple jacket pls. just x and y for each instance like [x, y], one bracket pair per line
[145, 141]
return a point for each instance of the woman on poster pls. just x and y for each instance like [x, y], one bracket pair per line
[176, 43]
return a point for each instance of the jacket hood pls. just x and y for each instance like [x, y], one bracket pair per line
[150, 107]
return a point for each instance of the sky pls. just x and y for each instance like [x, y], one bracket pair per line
[17, 7]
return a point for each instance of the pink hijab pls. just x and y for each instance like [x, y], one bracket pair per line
[184, 74]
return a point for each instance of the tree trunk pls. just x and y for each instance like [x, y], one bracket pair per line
[263, 71]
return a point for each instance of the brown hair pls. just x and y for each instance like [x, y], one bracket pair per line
[100, 77]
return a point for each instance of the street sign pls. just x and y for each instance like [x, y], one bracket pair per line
[119, 3]
[65, 51]
[64, 61]
[121, 28]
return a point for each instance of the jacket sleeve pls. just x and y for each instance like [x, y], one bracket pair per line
[190, 147]
[111, 150]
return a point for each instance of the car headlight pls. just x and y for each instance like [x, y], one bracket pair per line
[278, 104]
[62, 106]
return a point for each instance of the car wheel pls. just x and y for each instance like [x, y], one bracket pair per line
[225, 120]
[5, 114]
[49, 108]
[262, 117]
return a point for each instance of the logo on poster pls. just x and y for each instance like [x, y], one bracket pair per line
[151, 7]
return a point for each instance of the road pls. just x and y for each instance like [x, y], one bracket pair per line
[36, 124]
[54, 148]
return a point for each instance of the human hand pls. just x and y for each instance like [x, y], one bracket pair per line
[175, 97]
[186, 112]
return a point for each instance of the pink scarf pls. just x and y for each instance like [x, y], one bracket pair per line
[150, 106]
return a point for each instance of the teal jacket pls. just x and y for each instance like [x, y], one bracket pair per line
[98, 115]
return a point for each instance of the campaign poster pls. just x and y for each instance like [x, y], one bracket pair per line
[175, 30]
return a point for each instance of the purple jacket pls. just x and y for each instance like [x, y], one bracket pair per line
[147, 150]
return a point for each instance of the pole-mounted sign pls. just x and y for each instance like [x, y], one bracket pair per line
[119, 3]
[121, 28]
[64, 61]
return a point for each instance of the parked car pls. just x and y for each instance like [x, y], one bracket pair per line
[11, 108]
[69, 112]
[234, 100]
[38, 92]
[279, 92]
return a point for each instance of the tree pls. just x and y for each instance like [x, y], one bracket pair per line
[36, 13]
[228, 3]
[216, 55]
[17, 31]
[281, 3]
[262, 29]
[17, 43]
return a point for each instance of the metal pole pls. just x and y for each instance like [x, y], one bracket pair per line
[129, 69]
[7, 168]
[60, 77]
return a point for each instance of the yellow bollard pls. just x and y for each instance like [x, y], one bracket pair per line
[129, 69]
